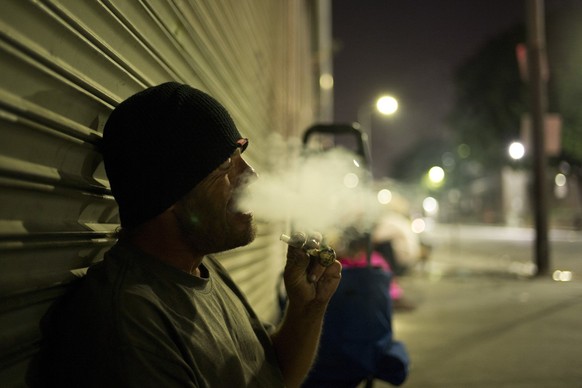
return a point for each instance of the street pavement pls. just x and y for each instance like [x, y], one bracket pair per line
[480, 320]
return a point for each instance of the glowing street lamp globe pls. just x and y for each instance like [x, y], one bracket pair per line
[387, 105]
[516, 150]
[436, 174]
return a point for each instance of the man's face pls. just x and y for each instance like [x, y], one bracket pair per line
[208, 214]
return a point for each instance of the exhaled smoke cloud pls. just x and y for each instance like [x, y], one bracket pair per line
[326, 191]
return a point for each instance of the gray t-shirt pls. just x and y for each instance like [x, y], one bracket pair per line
[135, 321]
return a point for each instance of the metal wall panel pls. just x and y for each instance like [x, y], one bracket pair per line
[64, 65]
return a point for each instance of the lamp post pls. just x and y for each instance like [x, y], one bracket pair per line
[537, 78]
[385, 105]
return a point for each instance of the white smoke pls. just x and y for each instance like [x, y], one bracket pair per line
[327, 191]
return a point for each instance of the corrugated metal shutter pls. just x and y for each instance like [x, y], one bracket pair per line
[64, 65]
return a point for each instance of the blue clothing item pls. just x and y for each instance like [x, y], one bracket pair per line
[356, 342]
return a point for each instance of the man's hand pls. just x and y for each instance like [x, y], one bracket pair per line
[309, 286]
[308, 283]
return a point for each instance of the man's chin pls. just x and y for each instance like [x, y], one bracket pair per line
[244, 230]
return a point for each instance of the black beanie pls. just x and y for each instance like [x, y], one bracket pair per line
[160, 143]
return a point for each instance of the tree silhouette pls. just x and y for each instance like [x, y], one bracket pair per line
[491, 97]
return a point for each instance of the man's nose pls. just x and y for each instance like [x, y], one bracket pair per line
[247, 173]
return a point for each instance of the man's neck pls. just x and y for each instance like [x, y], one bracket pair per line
[161, 238]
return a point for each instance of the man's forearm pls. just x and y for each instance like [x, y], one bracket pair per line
[309, 288]
[297, 340]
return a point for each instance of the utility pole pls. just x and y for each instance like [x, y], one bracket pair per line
[537, 76]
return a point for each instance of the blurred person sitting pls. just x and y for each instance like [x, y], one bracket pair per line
[358, 252]
[357, 341]
[160, 310]
[394, 239]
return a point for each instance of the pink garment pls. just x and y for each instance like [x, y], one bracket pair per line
[377, 261]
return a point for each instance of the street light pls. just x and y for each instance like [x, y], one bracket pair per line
[385, 105]
[516, 150]
[436, 174]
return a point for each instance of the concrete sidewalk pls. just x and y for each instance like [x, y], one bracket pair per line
[477, 324]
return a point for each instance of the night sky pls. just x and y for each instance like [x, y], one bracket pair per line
[410, 49]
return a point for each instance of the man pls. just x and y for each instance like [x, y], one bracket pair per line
[160, 311]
